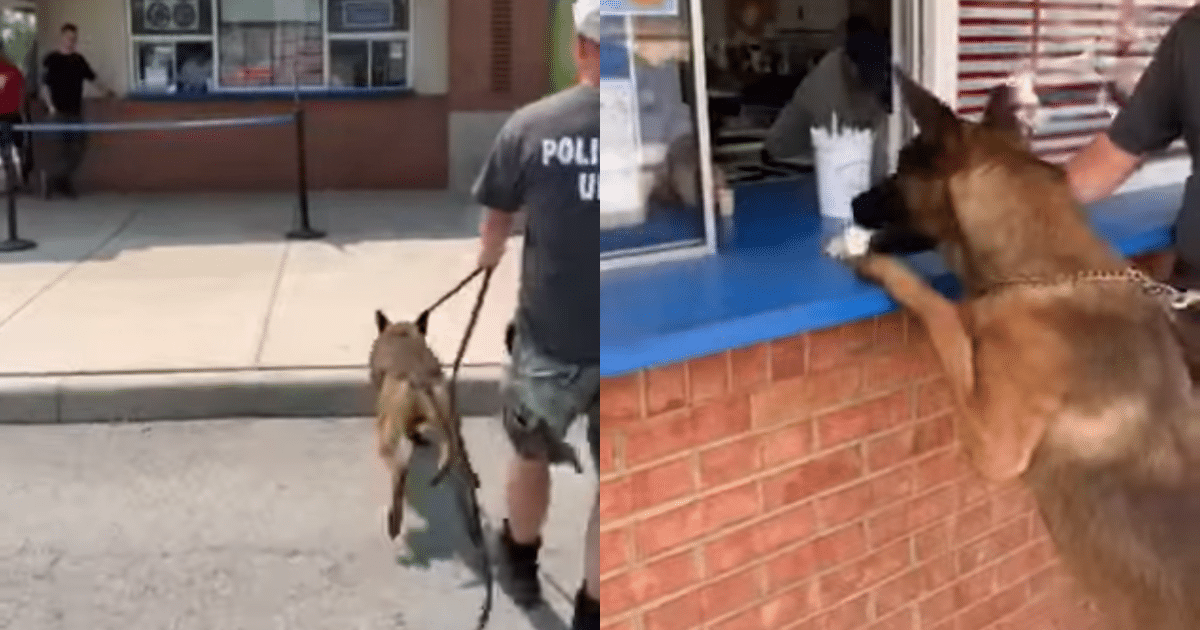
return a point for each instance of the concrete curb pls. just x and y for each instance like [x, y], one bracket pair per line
[196, 395]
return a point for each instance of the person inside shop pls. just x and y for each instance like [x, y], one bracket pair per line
[64, 72]
[852, 81]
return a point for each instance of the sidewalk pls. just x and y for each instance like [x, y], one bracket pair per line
[148, 307]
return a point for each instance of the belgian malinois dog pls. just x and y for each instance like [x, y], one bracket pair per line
[1067, 370]
[412, 403]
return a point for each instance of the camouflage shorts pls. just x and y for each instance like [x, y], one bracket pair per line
[542, 399]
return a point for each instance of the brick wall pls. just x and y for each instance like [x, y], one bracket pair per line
[813, 483]
[352, 144]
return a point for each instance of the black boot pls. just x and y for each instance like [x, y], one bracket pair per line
[519, 570]
[587, 612]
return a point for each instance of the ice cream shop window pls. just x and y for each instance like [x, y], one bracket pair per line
[704, 99]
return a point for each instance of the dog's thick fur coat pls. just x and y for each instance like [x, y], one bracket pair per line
[1066, 373]
[412, 397]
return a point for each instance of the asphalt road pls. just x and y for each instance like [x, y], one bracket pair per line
[251, 525]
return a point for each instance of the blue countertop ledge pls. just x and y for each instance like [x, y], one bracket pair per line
[771, 280]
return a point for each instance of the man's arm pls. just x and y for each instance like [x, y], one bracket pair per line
[500, 189]
[44, 92]
[1149, 122]
[494, 229]
[1099, 169]
[104, 89]
[90, 75]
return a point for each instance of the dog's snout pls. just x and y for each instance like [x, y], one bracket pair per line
[878, 206]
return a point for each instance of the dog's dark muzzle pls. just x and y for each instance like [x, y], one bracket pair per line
[882, 208]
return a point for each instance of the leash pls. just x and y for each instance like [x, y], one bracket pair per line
[423, 319]
[469, 496]
[1174, 298]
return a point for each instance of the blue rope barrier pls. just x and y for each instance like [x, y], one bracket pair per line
[160, 125]
[303, 229]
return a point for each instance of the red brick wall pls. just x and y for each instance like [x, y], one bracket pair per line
[471, 59]
[813, 483]
[352, 144]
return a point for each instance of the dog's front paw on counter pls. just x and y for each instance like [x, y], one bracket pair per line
[851, 244]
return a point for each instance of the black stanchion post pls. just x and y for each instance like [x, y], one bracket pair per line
[304, 230]
[13, 243]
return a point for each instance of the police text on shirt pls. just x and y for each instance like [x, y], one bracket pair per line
[575, 151]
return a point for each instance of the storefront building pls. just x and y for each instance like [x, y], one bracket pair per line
[779, 450]
[399, 94]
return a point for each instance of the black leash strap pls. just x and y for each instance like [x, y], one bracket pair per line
[469, 496]
[423, 319]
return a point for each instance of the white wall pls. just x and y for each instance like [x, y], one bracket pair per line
[103, 34]
[104, 38]
[430, 46]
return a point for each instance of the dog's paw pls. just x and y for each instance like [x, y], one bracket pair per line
[851, 245]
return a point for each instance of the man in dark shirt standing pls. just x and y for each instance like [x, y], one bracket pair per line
[64, 72]
[546, 161]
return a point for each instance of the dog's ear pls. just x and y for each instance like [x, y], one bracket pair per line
[934, 118]
[422, 323]
[381, 321]
[1001, 112]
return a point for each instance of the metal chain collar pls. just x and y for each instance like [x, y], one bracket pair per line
[1175, 298]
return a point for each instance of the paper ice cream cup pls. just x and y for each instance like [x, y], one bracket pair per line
[843, 158]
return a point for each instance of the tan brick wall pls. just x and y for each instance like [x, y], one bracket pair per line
[813, 483]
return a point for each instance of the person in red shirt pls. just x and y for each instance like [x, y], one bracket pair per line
[12, 93]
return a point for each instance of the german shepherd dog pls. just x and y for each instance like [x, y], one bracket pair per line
[412, 398]
[1067, 372]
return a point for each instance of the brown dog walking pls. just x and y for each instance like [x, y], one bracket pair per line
[412, 397]
[1067, 371]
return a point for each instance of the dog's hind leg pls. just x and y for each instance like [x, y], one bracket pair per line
[399, 477]
[393, 408]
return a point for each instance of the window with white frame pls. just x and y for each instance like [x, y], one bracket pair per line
[200, 45]
[1063, 55]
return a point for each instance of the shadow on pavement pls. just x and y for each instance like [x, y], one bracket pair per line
[445, 537]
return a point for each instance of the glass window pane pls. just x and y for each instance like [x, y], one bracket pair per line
[362, 16]
[389, 63]
[193, 67]
[270, 43]
[349, 64]
[20, 30]
[156, 65]
[174, 66]
[650, 163]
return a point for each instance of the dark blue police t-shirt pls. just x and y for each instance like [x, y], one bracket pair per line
[546, 160]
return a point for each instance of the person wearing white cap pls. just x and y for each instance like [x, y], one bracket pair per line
[545, 161]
